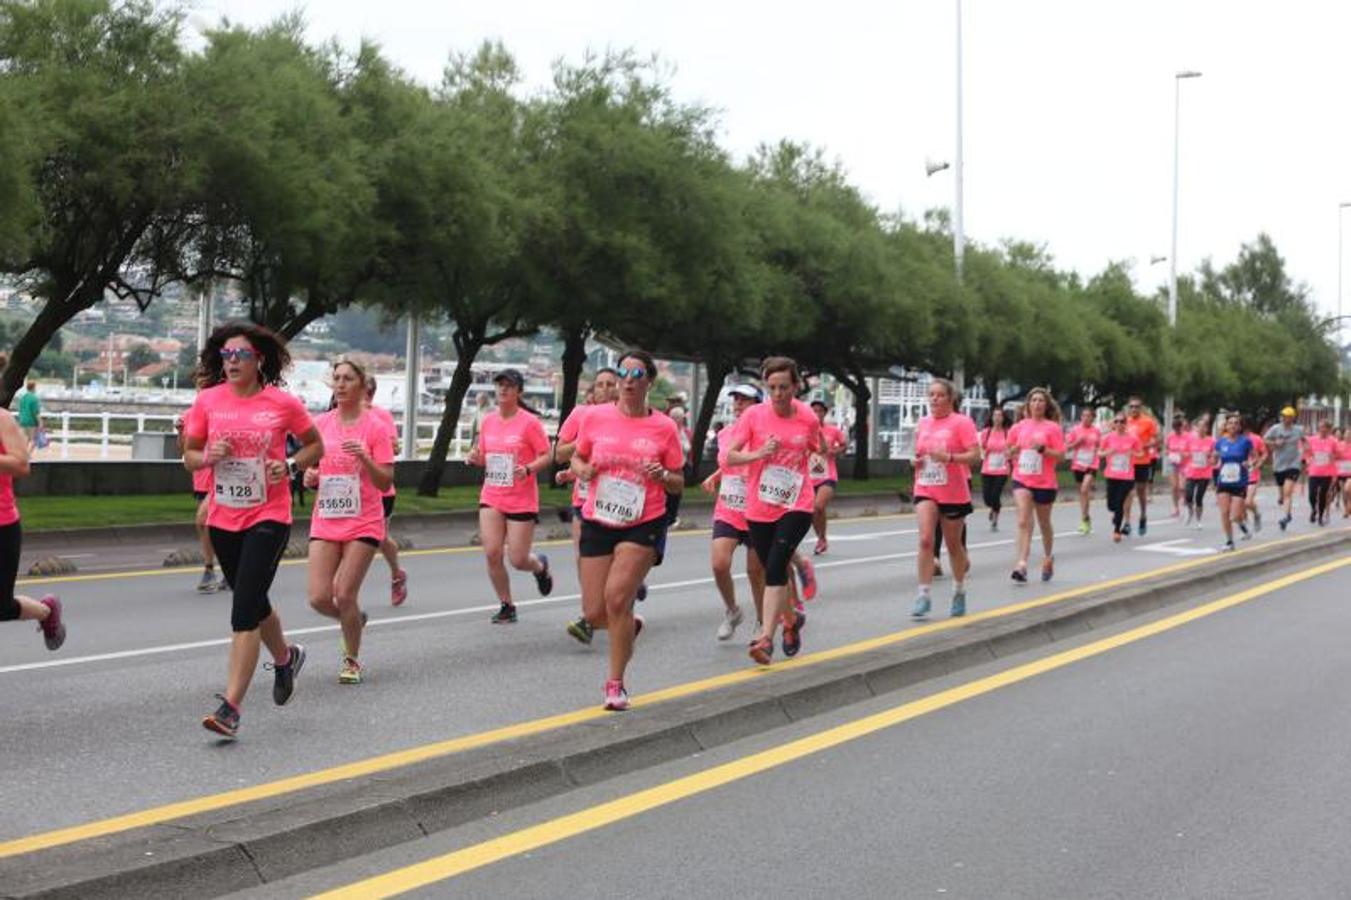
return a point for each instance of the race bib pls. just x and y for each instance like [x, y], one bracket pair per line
[1344, 467]
[499, 470]
[1199, 459]
[996, 461]
[1230, 473]
[780, 486]
[240, 482]
[817, 466]
[1119, 463]
[1084, 457]
[933, 473]
[339, 497]
[1029, 462]
[732, 492]
[1322, 458]
[1175, 459]
[618, 501]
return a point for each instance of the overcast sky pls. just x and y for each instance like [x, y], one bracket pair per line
[1068, 105]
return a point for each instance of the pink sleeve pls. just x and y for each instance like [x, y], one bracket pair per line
[298, 418]
[538, 440]
[567, 433]
[194, 421]
[726, 438]
[1057, 441]
[584, 439]
[382, 444]
[672, 457]
[969, 437]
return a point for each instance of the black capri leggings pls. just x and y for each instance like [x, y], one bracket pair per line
[249, 560]
[1196, 492]
[1117, 492]
[775, 543]
[992, 490]
[11, 540]
[1320, 487]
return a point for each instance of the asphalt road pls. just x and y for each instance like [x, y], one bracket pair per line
[1202, 761]
[146, 653]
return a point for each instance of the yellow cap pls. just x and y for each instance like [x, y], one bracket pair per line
[1288, 411]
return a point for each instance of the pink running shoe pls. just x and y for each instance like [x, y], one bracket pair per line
[53, 628]
[616, 698]
[807, 575]
[398, 589]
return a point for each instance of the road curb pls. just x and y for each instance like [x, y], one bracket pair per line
[254, 844]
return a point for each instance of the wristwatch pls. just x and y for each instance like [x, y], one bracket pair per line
[292, 467]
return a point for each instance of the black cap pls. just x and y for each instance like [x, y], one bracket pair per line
[511, 375]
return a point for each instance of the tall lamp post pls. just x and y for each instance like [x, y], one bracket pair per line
[1341, 207]
[1172, 258]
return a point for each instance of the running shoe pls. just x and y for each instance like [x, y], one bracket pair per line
[1228, 546]
[1144, 526]
[285, 682]
[807, 575]
[792, 637]
[921, 607]
[1284, 522]
[641, 595]
[958, 608]
[349, 672]
[616, 698]
[1126, 529]
[53, 627]
[1116, 537]
[1019, 574]
[638, 624]
[1048, 568]
[730, 620]
[223, 585]
[1256, 520]
[505, 615]
[225, 720]
[543, 579]
[398, 589]
[1247, 535]
[1085, 527]
[762, 650]
[207, 583]
[1197, 526]
[581, 629]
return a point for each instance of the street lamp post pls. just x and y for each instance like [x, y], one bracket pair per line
[1341, 207]
[1172, 258]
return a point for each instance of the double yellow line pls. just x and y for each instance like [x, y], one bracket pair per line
[525, 840]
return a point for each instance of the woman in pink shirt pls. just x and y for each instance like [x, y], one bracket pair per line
[776, 440]
[825, 474]
[1254, 479]
[630, 456]
[348, 520]
[1175, 453]
[17, 607]
[1199, 468]
[389, 548]
[238, 427]
[1082, 445]
[1036, 444]
[1344, 470]
[512, 449]
[1117, 448]
[946, 446]
[1321, 457]
[994, 466]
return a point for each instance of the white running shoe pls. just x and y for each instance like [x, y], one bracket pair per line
[730, 620]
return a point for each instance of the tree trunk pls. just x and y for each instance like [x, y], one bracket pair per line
[574, 359]
[55, 314]
[858, 386]
[717, 371]
[312, 310]
[468, 349]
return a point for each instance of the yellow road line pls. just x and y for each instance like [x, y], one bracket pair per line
[401, 758]
[497, 849]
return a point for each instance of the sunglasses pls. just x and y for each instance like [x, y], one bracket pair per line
[635, 373]
[234, 354]
[1119, 422]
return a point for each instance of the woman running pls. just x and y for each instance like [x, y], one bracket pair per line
[776, 439]
[1118, 448]
[630, 456]
[994, 467]
[389, 548]
[946, 446]
[512, 449]
[825, 474]
[1344, 471]
[238, 426]
[1321, 460]
[17, 607]
[1199, 468]
[1232, 455]
[730, 529]
[1082, 446]
[201, 490]
[1254, 479]
[1175, 452]
[1039, 444]
[348, 522]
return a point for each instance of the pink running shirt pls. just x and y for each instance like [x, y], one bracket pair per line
[619, 446]
[1260, 450]
[1344, 459]
[1322, 457]
[387, 419]
[996, 455]
[1117, 451]
[780, 483]
[1176, 447]
[944, 482]
[823, 467]
[9, 510]
[1197, 463]
[732, 482]
[201, 480]
[503, 445]
[347, 505]
[1030, 468]
[1084, 456]
[567, 434]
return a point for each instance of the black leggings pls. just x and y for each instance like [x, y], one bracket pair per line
[992, 490]
[775, 543]
[1117, 492]
[249, 560]
[1320, 487]
[1196, 492]
[11, 539]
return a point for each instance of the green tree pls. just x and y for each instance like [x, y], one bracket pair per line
[140, 356]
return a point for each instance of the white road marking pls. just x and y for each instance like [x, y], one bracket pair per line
[1174, 548]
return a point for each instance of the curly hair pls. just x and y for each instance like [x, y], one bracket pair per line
[273, 357]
